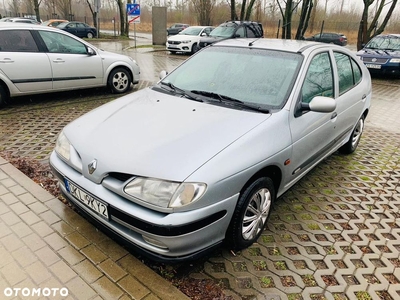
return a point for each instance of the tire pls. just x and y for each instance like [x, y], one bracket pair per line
[352, 143]
[119, 80]
[195, 48]
[251, 213]
[90, 35]
[3, 97]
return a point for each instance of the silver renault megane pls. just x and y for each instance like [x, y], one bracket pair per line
[200, 157]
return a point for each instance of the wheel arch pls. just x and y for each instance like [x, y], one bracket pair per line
[272, 171]
[6, 90]
[113, 67]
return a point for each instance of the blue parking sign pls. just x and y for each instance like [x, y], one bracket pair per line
[133, 9]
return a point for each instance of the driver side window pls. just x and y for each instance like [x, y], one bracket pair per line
[319, 78]
[60, 43]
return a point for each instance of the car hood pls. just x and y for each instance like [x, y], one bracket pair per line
[212, 39]
[379, 53]
[152, 134]
[183, 37]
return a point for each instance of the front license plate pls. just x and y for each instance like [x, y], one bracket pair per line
[88, 200]
[372, 66]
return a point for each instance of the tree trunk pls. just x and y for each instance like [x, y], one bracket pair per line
[304, 18]
[37, 12]
[233, 10]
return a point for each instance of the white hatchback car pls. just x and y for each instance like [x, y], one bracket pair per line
[41, 59]
[188, 39]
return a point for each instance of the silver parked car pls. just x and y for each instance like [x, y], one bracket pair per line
[41, 59]
[200, 157]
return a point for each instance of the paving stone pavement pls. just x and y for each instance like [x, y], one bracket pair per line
[334, 235]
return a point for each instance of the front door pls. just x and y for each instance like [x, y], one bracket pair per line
[312, 132]
[71, 64]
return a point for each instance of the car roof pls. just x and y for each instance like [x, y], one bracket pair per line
[200, 26]
[295, 46]
[390, 35]
[17, 25]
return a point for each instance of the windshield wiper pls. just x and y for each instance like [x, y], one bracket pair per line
[230, 100]
[181, 92]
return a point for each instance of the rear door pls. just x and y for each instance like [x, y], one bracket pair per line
[71, 65]
[22, 63]
[351, 93]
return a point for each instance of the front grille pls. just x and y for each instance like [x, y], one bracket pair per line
[375, 60]
[174, 42]
[120, 176]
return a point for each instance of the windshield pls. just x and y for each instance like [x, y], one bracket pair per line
[384, 43]
[259, 77]
[223, 31]
[191, 31]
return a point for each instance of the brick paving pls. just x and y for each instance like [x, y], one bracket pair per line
[334, 235]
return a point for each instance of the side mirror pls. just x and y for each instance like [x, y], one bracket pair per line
[320, 104]
[162, 74]
[90, 51]
[317, 104]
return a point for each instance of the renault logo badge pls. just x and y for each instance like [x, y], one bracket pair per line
[92, 166]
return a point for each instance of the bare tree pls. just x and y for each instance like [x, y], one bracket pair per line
[305, 14]
[365, 32]
[313, 14]
[245, 10]
[14, 7]
[203, 10]
[63, 8]
[36, 5]
[287, 13]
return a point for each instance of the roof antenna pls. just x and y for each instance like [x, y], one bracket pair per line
[251, 43]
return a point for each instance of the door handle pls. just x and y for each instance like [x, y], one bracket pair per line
[334, 115]
[363, 97]
[6, 61]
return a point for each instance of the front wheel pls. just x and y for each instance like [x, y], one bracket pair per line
[90, 35]
[352, 143]
[251, 213]
[195, 48]
[119, 80]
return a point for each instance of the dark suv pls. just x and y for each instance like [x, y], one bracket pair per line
[231, 30]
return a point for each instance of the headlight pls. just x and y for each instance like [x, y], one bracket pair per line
[395, 60]
[186, 42]
[63, 146]
[166, 194]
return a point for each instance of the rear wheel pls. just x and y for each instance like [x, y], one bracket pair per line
[251, 213]
[3, 97]
[119, 80]
[355, 138]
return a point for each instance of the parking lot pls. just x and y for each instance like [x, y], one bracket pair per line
[334, 235]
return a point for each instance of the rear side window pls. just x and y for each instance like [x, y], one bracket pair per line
[348, 71]
[17, 41]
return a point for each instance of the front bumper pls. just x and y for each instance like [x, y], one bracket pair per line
[179, 48]
[184, 235]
